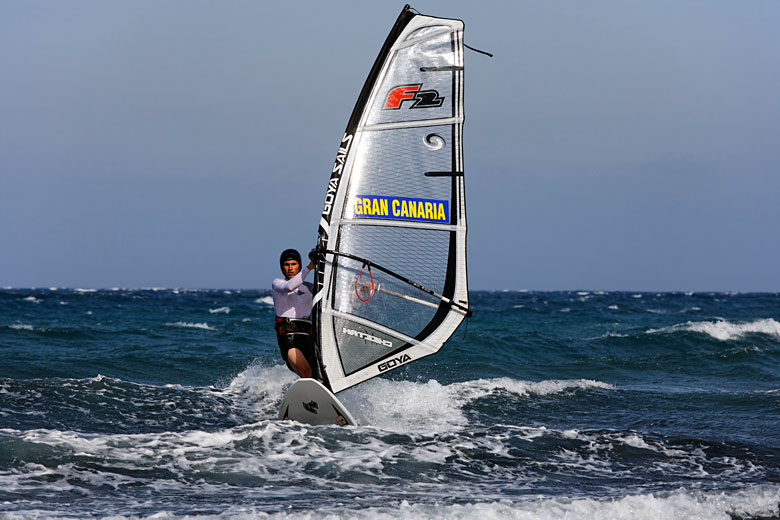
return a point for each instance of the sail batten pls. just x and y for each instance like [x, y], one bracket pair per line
[392, 285]
[411, 124]
[411, 225]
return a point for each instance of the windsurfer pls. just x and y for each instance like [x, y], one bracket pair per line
[293, 303]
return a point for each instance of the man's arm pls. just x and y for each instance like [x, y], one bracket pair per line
[293, 283]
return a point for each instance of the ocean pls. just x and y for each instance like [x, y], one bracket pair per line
[162, 403]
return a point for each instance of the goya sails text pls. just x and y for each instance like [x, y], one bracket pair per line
[392, 286]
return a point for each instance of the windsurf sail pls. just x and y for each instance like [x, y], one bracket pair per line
[391, 286]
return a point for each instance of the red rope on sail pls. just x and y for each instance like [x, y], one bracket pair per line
[371, 294]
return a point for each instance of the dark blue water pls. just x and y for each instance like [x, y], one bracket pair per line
[134, 403]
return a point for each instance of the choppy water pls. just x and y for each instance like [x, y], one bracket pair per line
[139, 403]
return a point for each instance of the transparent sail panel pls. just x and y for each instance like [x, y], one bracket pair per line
[394, 163]
[425, 31]
[361, 345]
[395, 305]
[418, 84]
[421, 255]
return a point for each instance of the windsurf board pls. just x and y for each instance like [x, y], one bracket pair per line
[308, 401]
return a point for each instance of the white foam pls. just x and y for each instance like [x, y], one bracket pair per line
[724, 330]
[483, 387]
[261, 388]
[32, 299]
[609, 335]
[21, 326]
[85, 291]
[756, 501]
[409, 406]
[613, 307]
[220, 310]
[681, 505]
[268, 300]
[204, 326]
[406, 406]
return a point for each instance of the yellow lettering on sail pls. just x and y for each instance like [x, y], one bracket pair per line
[412, 209]
[396, 211]
[358, 210]
[404, 209]
[383, 207]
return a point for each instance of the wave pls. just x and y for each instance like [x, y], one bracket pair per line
[268, 300]
[724, 330]
[261, 388]
[53, 332]
[760, 502]
[399, 406]
[21, 326]
[406, 406]
[220, 310]
[419, 430]
[410, 406]
[203, 326]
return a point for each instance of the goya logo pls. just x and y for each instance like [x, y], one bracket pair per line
[394, 362]
[400, 208]
[414, 93]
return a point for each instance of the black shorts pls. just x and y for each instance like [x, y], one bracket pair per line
[295, 333]
[302, 342]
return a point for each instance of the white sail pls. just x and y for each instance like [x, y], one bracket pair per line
[392, 286]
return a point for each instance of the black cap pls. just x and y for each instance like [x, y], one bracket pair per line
[289, 254]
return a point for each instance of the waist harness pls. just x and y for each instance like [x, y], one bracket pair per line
[292, 326]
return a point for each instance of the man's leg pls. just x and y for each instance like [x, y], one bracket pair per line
[298, 362]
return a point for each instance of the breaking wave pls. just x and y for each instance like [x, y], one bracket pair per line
[724, 330]
[187, 325]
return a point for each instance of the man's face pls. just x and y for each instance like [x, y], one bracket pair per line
[290, 268]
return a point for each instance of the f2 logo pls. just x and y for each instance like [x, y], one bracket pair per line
[420, 98]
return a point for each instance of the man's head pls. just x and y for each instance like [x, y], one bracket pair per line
[290, 262]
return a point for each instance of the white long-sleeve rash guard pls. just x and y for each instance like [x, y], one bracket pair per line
[292, 298]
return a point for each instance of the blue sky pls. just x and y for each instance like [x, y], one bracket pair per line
[613, 145]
